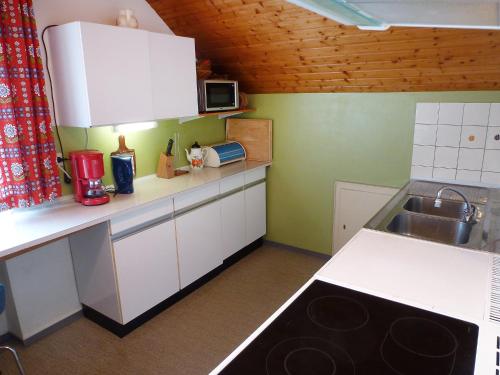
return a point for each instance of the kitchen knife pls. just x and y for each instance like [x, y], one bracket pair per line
[169, 147]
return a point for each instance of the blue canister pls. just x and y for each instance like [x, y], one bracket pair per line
[123, 173]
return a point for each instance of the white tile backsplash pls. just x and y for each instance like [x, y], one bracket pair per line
[473, 136]
[427, 113]
[491, 178]
[494, 115]
[425, 135]
[444, 173]
[491, 161]
[468, 176]
[470, 158]
[423, 155]
[476, 114]
[456, 141]
[448, 135]
[421, 172]
[446, 157]
[492, 143]
[451, 113]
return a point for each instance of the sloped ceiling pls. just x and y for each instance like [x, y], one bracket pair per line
[271, 46]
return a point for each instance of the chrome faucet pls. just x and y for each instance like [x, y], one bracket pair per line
[438, 201]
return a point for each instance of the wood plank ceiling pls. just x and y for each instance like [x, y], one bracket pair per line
[271, 46]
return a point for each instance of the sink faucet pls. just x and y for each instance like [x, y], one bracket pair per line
[438, 201]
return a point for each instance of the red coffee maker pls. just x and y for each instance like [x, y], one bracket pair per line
[87, 169]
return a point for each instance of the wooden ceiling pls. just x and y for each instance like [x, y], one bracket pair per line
[272, 46]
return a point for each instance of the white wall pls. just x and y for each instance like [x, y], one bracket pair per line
[42, 289]
[48, 12]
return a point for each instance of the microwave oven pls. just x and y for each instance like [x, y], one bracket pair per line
[217, 95]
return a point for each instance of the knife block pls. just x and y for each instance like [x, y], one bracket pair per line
[165, 166]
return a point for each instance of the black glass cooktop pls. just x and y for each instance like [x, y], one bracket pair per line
[330, 330]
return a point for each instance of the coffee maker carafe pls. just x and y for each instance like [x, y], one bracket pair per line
[87, 169]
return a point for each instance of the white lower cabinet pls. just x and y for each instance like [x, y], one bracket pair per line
[146, 269]
[140, 258]
[199, 242]
[233, 223]
[255, 212]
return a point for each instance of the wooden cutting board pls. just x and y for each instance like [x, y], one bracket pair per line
[255, 135]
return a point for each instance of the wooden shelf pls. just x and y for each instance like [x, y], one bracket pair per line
[220, 115]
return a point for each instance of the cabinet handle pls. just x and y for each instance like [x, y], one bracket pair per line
[141, 227]
[344, 226]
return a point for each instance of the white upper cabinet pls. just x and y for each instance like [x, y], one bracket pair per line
[173, 72]
[104, 75]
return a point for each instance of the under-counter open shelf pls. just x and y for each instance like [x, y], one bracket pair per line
[220, 115]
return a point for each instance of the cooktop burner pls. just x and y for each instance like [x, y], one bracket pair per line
[308, 355]
[330, 330]
[337, 313]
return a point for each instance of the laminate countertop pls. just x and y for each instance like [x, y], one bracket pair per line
[24, 229]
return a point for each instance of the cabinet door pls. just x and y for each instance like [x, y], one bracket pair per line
[173, 73]
[118, 74]
[255, 211]
[198, 242]
[355, 205]
[146, 269]
[233, 223]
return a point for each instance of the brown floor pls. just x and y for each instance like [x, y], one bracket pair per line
[189, 338]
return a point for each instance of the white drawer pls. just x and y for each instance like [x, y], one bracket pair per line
[255, 175]
[193, 197]
[231, 183]
[141, 215]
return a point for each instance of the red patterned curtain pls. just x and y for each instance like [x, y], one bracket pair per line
[28, 169]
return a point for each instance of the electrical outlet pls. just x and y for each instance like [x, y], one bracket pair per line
[59, 157]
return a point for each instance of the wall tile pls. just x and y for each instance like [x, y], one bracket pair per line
[446, 157]
[425, 134]
[444, 173]
[476, 114]
[451, 113]
[421, 172]
[427, 113]
[468, 176]
[448, 135]
[469, 158]
[423, 155]
[473, 136]
[461, 146]
[491, 161]
[491, 142]
[491, 178]
[494, 115]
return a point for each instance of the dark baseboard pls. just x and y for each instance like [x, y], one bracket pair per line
[298, 249]
[122, 330]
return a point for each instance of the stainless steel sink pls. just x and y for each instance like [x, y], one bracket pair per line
[412, 212]
[449, 231]
[425, 205]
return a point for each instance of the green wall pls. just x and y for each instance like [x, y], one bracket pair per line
[317, 139]
[322, 138]
[147, 144]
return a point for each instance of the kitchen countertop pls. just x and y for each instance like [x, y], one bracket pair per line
[417, 272]
[23, 229]
[441, 278]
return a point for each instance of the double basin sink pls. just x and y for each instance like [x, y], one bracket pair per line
[448, 223]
